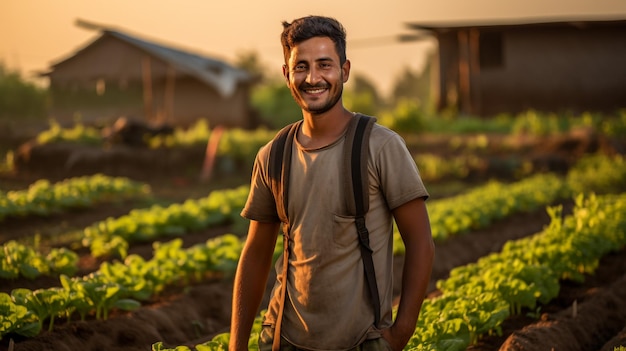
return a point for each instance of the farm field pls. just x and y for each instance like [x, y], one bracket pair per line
[585, 315]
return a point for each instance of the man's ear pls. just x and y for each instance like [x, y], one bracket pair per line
[345, 70]
[286, 73]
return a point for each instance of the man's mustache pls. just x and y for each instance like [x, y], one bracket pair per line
[317, 86]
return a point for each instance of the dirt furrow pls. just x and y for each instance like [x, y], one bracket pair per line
[585, 316]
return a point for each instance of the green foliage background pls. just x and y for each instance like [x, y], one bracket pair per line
[19, 97]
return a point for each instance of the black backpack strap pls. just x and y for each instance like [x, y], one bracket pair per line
[279, 167]
[355, 159]
[358, 204]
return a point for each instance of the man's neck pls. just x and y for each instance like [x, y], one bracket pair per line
[319, 130]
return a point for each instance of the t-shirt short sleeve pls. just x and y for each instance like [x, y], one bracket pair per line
[260, 205]
[399, 176]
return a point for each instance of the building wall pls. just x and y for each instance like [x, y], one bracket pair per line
[193, 100]
[557, 69]
[545, 68]
[70, 102]
[106, 81]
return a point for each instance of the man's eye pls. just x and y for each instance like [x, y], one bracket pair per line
[299, 68]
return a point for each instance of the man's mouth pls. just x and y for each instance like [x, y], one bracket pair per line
[315, 90]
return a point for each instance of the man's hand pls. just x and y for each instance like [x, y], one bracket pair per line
[414, 227]
[397, 339]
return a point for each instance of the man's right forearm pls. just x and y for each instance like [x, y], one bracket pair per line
[247, 295]
[250, 281]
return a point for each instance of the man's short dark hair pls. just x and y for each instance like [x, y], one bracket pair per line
[305, 28]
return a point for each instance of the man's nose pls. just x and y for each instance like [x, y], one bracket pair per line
[314, 76]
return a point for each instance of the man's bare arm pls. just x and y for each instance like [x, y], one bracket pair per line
[250, 281]
[414, 226]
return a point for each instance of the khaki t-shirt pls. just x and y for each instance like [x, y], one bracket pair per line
[328, 305]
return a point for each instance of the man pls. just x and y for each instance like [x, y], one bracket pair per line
[327, 304]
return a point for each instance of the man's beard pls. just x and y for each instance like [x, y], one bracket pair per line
[296, 93]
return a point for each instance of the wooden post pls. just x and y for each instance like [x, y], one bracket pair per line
[147, 87]
[170, 83]
[464, 72]
[474, 71]
[211, 153]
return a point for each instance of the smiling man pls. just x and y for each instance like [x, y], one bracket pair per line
[314, 69]
[322, 299]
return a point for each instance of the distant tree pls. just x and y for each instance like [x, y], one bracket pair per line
[275, 104]
[406, 117]
[20, 98]
[270, 96]
[414, 84]
[406, 85]
[362, 95]
[250, 61]
[362, 84]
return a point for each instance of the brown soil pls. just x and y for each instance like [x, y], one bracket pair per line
[585, 316]
[586, 325]
[193, 314]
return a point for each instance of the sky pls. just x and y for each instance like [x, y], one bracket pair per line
[38, 33]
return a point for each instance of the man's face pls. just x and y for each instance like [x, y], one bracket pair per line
[315, 75]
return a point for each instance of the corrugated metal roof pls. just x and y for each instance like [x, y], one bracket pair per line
[215, 73]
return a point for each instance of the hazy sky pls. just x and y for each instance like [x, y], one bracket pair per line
[36, 33]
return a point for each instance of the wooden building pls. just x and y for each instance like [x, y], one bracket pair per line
[121, 75]
[573, 65]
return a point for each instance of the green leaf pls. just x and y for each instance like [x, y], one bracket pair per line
[127, 304]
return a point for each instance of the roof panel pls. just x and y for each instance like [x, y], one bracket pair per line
[213, 72]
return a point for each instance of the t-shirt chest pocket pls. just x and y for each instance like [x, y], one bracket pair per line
[344, 233]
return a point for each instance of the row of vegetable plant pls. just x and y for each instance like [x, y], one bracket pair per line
[43, 197]
[478, 297]
[22, 260]
[111, 237]
[117, 285]
[528, 123]
[237, 147]
[483, 205]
